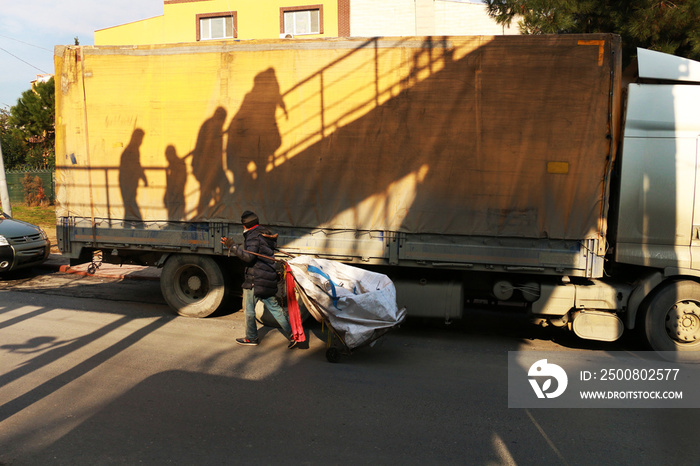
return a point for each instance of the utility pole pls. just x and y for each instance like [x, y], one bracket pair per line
[4, 193]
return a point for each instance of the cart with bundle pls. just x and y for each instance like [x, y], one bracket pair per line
[356, 305]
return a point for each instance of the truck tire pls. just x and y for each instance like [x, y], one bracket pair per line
[193, 285]
[672, 320]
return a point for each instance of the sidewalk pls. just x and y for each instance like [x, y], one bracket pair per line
[61, 264]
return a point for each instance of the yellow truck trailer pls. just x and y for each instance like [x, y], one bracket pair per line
[470, 169]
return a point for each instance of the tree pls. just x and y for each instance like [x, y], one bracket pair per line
[665, 26]
[32, 120]
[13, 147]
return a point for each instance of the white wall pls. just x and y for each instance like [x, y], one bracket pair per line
[470, 19]
[369, 18]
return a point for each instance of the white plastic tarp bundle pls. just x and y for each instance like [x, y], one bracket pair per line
[360, 305]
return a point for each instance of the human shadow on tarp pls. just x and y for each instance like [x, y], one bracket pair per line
[253, 136]
[130, 173]
[207, 163]
[175, 179]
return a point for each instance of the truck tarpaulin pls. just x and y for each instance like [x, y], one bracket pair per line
[494, 136]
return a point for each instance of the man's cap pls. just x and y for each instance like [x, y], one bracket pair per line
[249, 219]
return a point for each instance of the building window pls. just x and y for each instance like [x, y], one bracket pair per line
[217, 26]
[301, 20]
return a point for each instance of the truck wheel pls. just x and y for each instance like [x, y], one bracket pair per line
[672, 320]
[193, 285]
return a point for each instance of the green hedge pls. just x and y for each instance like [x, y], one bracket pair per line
[14, 183]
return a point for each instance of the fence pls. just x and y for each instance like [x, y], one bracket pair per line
[16, 190]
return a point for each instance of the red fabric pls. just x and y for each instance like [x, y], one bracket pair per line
[293, 309]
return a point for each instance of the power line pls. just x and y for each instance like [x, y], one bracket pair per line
[24, 61]
[26, 43]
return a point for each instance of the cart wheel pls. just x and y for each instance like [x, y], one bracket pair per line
[332, 354]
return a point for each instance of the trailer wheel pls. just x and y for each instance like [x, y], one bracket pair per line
[672, 320]
[333, 354]
[193, 285]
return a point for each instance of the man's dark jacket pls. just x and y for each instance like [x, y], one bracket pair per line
[260, 273]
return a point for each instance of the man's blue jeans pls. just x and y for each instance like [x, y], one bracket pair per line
[251, 328]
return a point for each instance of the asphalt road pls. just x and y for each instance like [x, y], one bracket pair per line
[98, 371]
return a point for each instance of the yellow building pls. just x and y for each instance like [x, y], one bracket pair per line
[198, 20]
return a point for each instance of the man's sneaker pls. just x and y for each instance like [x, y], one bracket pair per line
[247, 341]
[292, 344]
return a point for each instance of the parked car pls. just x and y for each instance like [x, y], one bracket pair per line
[21, 244]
